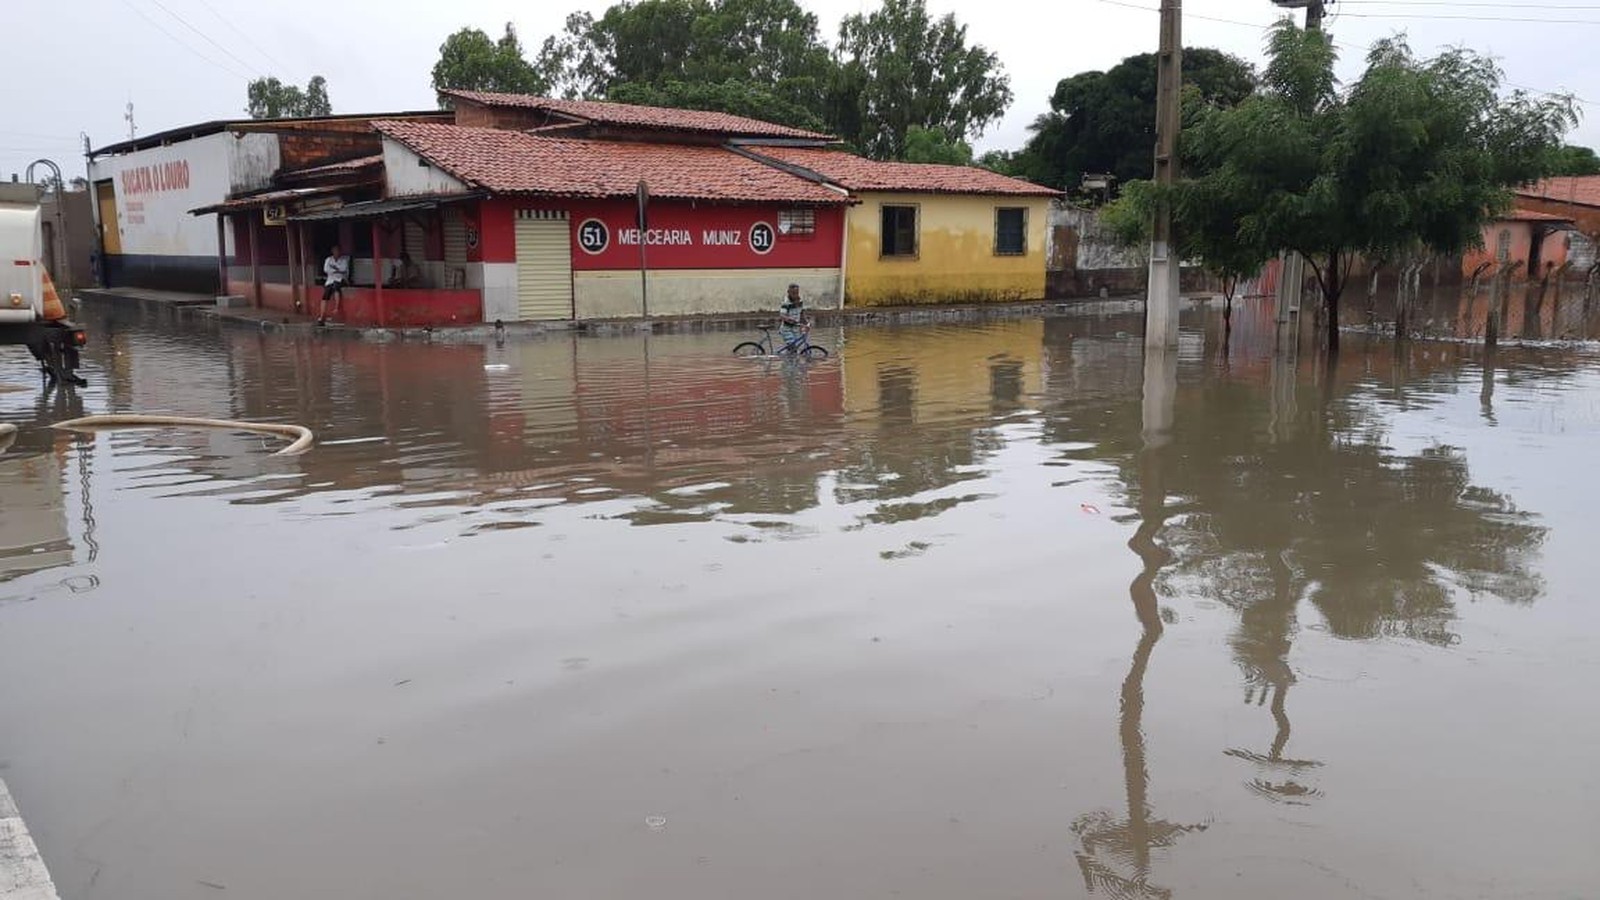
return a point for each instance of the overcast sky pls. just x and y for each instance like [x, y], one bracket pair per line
[186, 61]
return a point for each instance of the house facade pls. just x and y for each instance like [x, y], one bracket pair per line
[509, 208]
[920, 233]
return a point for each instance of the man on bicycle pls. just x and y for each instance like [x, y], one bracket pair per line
[791, 317]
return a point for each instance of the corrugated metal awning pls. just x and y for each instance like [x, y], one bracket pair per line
[268, 198]
[372, 209]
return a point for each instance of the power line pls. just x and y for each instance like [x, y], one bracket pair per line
[179, 41]
[1470, 18]
[243, 35]
[1469, 5]
[208, 39]
[1187, 15]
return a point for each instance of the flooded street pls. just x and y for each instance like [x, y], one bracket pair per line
[981, 610]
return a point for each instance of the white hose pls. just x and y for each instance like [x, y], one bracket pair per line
[299, 435]
[8, 434]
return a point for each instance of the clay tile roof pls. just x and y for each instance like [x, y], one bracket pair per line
[513, 162]
[857, 173]
[648, 117]
[348, 165]
[1583, 190]
[1528, 215]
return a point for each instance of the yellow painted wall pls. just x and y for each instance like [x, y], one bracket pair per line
[955, 262]
[951, 371]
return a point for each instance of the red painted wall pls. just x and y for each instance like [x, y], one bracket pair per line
[401, 308]
[679, 234]
[497, 236]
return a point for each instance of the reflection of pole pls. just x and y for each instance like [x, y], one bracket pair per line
[1161, 303]
[644, 224]
[1486, 395]
[1160, 385]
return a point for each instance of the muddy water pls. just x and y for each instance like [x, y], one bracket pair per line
[995, 610]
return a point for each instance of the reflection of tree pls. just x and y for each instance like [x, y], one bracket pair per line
[1288, 492]
[1377, 541]
[1115, 855]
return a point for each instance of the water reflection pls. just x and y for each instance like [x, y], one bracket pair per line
[1115, 854]
[34, 470]
[1254, 501]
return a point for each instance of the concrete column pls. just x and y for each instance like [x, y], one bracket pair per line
[1161, 302]
[222, 253]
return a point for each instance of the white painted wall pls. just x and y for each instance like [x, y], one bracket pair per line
[408, 175]
[154, 199]
[253, 159]
[500, 292]
[687, 292]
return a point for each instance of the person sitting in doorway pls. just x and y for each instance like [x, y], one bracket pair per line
[405, 273]
[336, 270]
[792, 317]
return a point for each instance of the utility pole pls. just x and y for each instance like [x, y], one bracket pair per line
[1161, 303]
[1314, 15]
[1291, 283]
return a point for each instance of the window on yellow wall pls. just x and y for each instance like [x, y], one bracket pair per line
[1011, 231]
[899, 231]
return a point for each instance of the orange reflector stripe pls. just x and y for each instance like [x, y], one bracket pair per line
[21, 262]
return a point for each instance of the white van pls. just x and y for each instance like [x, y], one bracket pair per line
[30, 312]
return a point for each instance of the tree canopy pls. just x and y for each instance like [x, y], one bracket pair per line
[471, 60]
[270, 98]
[1412, 158]
[896, 68]
[900, 67]
[1573, 160]
[747, 57]
[1104, 122]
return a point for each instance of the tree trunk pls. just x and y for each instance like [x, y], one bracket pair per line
[1330, 293]
[1229, 288]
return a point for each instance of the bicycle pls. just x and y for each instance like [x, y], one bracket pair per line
[800, 346]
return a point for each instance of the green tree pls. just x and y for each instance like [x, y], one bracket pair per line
[929, 145]
[900, 67]
[1104, 122]
[1573, 160]
[471, 60]
[269, 98]
[748, 57]
[1004, 162]
[1412, 158]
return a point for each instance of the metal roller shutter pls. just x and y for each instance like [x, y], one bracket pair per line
[455, 236]
[544, 265]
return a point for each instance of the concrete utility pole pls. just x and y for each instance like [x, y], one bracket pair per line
[1314, 15]
[1161, 303]
[1291, 283]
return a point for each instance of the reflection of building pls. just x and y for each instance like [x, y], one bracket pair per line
[33, 516]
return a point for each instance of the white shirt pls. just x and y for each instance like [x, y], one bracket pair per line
[337, 268]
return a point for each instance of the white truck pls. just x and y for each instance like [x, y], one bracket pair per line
[31, 313]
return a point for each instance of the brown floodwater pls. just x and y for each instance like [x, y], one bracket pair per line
[981, 610]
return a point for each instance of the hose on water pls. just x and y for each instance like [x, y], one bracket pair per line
[300, 437]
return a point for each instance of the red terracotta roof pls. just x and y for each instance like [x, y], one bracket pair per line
[1528, 215]
[857, 173]
[348, 165]
[513, 162]
[1583, 190]
[649, 117]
